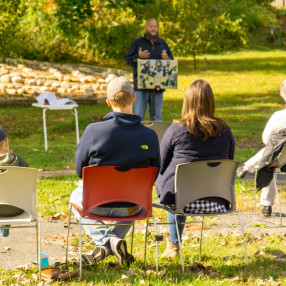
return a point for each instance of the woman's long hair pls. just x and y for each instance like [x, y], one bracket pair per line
[198, 111]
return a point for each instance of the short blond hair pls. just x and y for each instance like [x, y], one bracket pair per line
[122, 99]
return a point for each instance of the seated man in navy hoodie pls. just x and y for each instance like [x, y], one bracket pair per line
[116, 141]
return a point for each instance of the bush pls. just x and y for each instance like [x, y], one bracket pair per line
[92, 30]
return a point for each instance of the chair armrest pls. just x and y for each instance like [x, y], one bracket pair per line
[77, 208]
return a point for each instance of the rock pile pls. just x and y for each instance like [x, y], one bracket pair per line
[23, 79]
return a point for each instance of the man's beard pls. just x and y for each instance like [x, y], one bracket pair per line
[151, 38]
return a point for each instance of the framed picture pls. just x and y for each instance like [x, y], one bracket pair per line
[157, 74]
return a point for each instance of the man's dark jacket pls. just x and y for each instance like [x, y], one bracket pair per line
[272, 151]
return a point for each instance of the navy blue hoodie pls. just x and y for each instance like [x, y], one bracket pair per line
[120, 140]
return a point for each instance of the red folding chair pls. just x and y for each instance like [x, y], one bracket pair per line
[106, 184]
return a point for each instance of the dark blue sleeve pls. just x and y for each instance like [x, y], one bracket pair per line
[82, 153]
[166, 149]
[132, 55]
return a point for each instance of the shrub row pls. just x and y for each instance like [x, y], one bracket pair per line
[92, 30]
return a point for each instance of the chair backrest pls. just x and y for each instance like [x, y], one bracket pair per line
[202, 179]
[18, 187]
[106, 184]
[159, 127]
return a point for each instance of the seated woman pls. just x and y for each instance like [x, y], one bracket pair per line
[199, 135]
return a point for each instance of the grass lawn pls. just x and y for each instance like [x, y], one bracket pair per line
[246, 87]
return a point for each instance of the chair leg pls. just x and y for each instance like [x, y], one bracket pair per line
[243, 236]
[201, 237]
[67, 248]
[277, 195]
[145, 247]
[80, 251]
[180, 244]
[132, 237]
[156, 241]
[156, 236]
[39, 262]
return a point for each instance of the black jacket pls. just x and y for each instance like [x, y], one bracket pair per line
[155, 53]
[120, 140]
[272, 150]
[179, 146]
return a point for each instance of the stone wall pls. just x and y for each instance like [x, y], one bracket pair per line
[23, 80]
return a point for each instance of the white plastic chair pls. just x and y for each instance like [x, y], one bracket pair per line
[277, 171]
[159, 127]
[203, 179]
[18, 187]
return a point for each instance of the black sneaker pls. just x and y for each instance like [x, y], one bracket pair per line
[241, 172]
[266, 211]
[100, 252]
[119, 249]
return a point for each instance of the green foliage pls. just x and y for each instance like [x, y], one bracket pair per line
[252, 13]
[93, 30]
[72, 14]
[10, 13]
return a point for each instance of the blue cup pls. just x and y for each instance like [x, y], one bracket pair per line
[44, 260]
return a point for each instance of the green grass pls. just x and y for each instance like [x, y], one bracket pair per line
[246, 87]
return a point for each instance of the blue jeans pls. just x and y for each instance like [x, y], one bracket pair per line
[145, 97]
[99, 233]
[172, 227]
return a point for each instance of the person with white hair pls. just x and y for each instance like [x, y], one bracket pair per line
[276, 125]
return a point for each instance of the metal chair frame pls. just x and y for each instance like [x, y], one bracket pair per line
[183, 185]
[18, 187]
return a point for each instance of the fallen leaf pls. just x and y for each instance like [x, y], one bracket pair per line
[150, 272]
[280, 260]
[259, 252]
[280, 255]
[125, 278]
[23, 267]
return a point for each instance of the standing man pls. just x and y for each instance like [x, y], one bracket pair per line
[119, 140]
[151, 46]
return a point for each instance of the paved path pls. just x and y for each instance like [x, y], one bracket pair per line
[20, 247]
